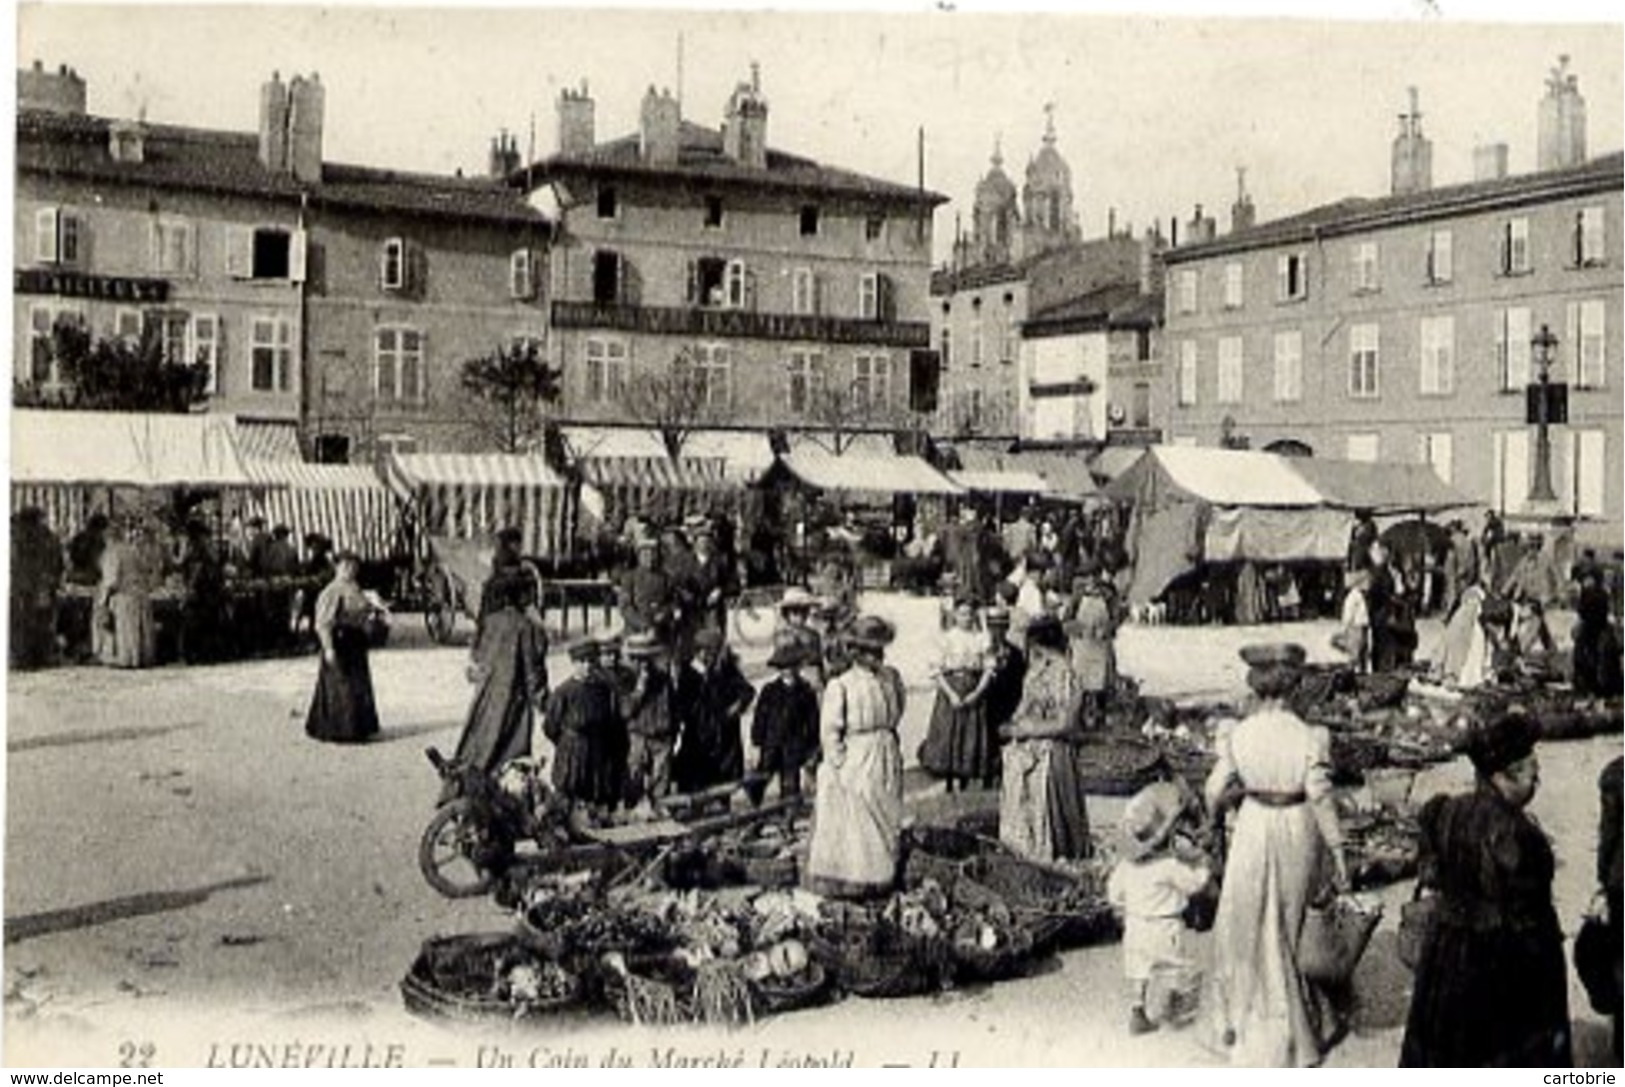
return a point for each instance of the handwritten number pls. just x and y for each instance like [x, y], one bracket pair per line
[136, 1055]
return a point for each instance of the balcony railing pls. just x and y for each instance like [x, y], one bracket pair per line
[742, 324]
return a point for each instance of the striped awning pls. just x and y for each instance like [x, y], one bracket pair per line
[656, 473]
[266, 440]
[867, 473]
[745, 454]
[467, 496]
[593, 442]
[347, 503]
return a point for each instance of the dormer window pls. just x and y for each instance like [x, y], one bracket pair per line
[608, 205]
[809, 220]
[392, 265]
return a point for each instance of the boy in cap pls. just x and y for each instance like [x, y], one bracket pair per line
[582, 723]
[1150, 887]
[651, 724]
[784, 727]
[714, 699]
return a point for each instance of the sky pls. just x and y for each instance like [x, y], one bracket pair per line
[1153, 114]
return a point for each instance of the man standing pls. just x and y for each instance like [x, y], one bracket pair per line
[1020, 536]
[36, 578]
[713, 584]
[647, 598]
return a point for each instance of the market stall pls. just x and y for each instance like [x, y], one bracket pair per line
[347, 503]
[628, 470]
[473, 495]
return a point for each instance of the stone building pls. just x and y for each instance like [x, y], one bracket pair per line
[1399, 328]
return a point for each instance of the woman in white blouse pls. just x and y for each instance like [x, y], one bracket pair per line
[959, 746]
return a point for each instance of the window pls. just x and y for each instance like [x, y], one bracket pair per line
[809, 220]
[869, 297]
[1363, 447]
[708, 279]
[1584, 471]
[1232, 285]
[608, 206]
[43, 319]
[803, 291]
[270, 353]
[1141, 415]
[1142, 345]
[1230, 365]
[173, 250]
[1589, 237]
[59, 237]
[713, 212]
[1291, 278]
[976, 329]
[273, 253]
[606, 369]
[1515, 247]
[173, 331]
[1012, 340]
[1586, 342]
[398, 365]
[805, 372]
[871, 381]
[1441, 261]
[1511, 480]
[1438, 450]
[874, 229]
[392, 265]
[944, 346]
[1512, 351]
[128, 325]
[1187, 373]
[1185, 284]
[1289, 367]
[1365, 267]
[739, 293]
[1438, 376]
[522, 274]
[606, 277]
[205, 347]
[713, 370]
[1363, 342]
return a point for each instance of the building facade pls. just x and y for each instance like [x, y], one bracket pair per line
[794, 293]
[1092, 369]
[332, 303]
[1399, 329]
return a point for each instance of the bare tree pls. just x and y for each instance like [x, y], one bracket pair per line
[673, 399]
[844, 411]
[509, 392]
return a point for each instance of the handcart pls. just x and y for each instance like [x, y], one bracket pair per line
[452, 581]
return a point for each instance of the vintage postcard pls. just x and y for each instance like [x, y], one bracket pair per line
[570, 538]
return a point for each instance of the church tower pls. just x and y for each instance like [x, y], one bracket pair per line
[996, 217]
[1050, 221]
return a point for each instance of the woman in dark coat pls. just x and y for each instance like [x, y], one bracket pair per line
[583, 723]
[711, 748]
[509, 666]
[343, 709]
[1491, 982]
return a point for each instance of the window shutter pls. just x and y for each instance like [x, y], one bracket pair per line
[296, 255]
[239, 252]
[750, 296]
[692, 292]
[1506, 249]
[887, 297]
[817, 293]
[1571, 353]
[1579, 238]
[1283, 278]
[45, 235]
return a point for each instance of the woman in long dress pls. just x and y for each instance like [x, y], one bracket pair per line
[1042, 812]
[343, 709]
[958, 745]
[1285, 842]
[1092, 630]
[131, 571]
[858, 818]
[1491, 981]
[509, 667]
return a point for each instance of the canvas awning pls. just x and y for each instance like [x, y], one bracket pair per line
[263, 439]
[347, 503]
[745, 454]
[997, 482]
[1221, 477]
[655, 473]
[125, 449]
[1380, 488]
[1065, 475]
[595, 442]
[825, 441]
[867, 473]
[468, 495]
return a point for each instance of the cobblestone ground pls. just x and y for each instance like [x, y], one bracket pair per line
[185, 871]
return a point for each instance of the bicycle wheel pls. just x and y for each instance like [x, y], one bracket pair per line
[447, 849]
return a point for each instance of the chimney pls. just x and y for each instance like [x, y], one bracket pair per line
[1242, 213]
[744, 127]
[505, 159]
[1412, 153]
[274, 124]
[1489, 161]
[61, 91]
[1173, 230]
[307, 101]
[1203, 228]
[1562, 130]
[659, 127]
[576, 135]
[1151, 278]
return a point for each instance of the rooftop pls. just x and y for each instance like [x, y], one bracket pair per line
[700, 157]
[1362, 213]
[1116, 305]
[211, 160]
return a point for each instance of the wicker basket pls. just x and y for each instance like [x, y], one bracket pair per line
[430, 991]
[811, 987]
[939, 853]
[1015, 953]
[1117, 765]
[1065, 910]
[878, 962]
[764, 864]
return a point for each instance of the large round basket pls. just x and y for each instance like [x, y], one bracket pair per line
[1062, 909]
[1118, 765]
[451, 979]
[763, 864]
[809, 988]
[938, 853]
[1016, 951]
[879, 962]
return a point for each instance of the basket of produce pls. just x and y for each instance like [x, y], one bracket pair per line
[1353, 753]
[991, 944]
[937, 853]
[763, 863]
[598, 929]
[870, 956]
[486, 976]
[1117, 765]
[785, 977]
[1071, 909]
[648, 990]
[1381, 845]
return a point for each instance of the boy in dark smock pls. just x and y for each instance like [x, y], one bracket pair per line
[784, 727]
[712, 749]
[582, 724]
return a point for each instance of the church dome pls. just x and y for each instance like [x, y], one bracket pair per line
[995, 189]
[1048, 170]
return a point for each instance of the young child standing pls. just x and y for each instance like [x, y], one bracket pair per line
[1150, 888]
[784, 727]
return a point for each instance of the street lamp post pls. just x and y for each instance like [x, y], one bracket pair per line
[1543, 345]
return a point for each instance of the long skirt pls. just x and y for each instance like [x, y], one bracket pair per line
[1262, 1012]
[959, 742]
[135, 632]
[1042, 807]
[343, 709]
[858, 820]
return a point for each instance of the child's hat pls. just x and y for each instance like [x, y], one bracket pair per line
[1150, 817]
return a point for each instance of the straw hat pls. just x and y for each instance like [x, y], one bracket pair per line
[796, 597]
[871, 632]
[1149, 818]
[1265, 655]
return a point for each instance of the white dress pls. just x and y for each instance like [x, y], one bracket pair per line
[858, 817]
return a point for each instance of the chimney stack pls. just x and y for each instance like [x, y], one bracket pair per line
[274, 124]
[1489, 161]
[1203, 228]
[576, 134]
[1242, 213]
[505, 160]
[1151, 277]
[744, 128]
[1562, 130]
[1412, 153]
[61, 91]
[307, 102]
[660, 128]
